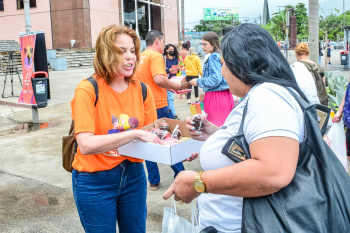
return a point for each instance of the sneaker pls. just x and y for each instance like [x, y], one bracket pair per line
[153, 187]
[329, 63]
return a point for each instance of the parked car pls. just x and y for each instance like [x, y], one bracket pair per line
[334, 45]
[341, 45]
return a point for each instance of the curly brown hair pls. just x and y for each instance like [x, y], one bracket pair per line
[302, 49]
[108, 55]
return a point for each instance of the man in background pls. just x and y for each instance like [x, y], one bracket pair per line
[152, 72]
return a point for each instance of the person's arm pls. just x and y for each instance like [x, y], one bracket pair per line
[84, 119]
[163, 81]
[90, 143]
[338, 115]
[270, 169]
[159, 74]
[214, 79]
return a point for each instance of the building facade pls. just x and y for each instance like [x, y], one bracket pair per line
[82, 20]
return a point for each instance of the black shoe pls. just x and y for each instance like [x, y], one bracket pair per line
[153, 187]
[176, 117]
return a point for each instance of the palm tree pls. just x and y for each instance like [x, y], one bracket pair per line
[313, 30]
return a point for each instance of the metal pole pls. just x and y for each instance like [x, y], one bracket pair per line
[287, 42]
[183, 19]
[35, 112]
[27, 17]
[122, 6]
[149, 16]
[136, 20]
[344, 17]
[325, 50]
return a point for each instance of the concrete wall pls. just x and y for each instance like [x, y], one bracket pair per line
[12, 21]
[171, 19]
[71, 20]
[103, 15]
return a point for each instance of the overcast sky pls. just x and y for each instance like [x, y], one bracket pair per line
[252, 9]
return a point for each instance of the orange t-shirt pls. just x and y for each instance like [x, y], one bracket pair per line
[114, 113]
[152, 63]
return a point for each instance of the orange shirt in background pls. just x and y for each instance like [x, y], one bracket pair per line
[152, 63]
[114, 113]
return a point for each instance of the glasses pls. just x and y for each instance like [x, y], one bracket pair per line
[204, 44]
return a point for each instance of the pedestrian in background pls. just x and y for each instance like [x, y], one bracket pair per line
[108, 187]
[153, 73]
[309, 76]
[285, 46]
[183, 53]
[329, 48]
[193, 68]
[172, 59]
[218, 101]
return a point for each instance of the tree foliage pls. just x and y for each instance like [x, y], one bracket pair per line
[214, 25]
[333, 24]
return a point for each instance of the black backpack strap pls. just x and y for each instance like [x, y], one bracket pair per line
[144, 91]
[94, 84]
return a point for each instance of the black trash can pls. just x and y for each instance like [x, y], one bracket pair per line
[40, 88]
[344, 58]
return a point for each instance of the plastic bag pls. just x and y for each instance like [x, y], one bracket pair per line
[335, 138]
[172, 223]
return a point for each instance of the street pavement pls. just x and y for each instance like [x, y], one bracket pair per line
[35, 191]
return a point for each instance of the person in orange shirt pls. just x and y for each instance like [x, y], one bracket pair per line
[152, 72]
[109, 187]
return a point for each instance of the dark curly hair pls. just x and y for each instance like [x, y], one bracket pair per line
[176, 52]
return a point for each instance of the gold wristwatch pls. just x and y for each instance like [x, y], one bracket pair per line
[198, 184]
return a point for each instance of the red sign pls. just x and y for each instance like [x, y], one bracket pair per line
[27, 57]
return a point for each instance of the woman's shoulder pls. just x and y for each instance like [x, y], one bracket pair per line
[270, 93]
[87, 85]
[214, 57]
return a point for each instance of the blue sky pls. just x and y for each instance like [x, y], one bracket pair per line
[252, 9]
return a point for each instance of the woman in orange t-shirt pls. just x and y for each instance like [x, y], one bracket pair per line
[109, 187]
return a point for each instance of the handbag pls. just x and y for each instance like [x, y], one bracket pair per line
[172, 223]
[316, 200]
[335, 139]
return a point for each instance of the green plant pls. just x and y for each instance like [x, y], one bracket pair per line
[336, 90]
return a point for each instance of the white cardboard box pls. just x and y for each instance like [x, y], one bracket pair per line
[163, 153]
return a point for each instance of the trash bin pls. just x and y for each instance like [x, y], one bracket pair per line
[40, 88]
[344, 58]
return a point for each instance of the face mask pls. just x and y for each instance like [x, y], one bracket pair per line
[171, 53]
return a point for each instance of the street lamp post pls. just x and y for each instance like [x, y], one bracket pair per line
[287, 29]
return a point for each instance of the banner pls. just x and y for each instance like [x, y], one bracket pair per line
[27, 56]
[220, 14]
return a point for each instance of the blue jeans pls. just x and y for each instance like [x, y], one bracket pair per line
[152, 167]
[170, 99]
[106, 197]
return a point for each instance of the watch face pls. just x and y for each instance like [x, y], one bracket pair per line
[199, 186]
